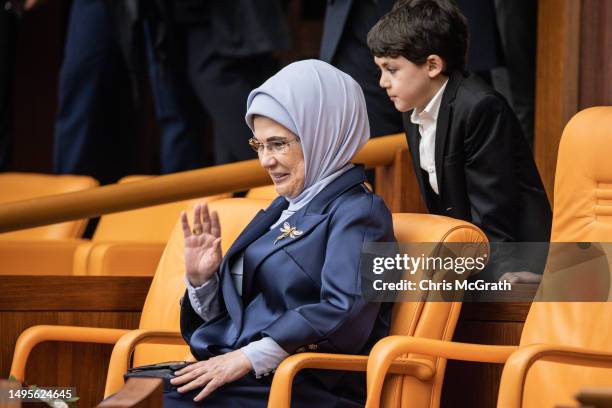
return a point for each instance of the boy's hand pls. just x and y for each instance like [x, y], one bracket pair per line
[521, 277]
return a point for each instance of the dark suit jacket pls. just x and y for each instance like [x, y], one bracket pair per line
[483, 52]
[303, 292]
[485, 169]
[239, 28]
[336, 16]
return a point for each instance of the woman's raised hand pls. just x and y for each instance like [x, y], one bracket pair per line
[202, 244]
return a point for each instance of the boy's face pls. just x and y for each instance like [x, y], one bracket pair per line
[408, 85]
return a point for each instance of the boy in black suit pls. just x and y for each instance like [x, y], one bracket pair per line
[469, 153]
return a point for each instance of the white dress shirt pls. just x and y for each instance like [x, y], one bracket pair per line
[427, 121]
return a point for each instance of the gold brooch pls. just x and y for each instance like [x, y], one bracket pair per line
[288, 231]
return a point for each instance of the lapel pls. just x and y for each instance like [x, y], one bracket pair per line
[305, 220]
[256, 253]
[443, 122]
[257, 227]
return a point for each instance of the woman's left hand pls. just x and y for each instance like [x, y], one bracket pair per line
[212, 373]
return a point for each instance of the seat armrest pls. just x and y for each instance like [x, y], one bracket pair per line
[124, 258]
[38, 257]
[518, 365]
[38, 334]
[280, 392]
[388, 349]
[124, 347]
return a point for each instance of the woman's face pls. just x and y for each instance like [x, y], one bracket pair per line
[282, 156]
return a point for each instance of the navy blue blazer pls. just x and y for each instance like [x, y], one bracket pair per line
[303, 292]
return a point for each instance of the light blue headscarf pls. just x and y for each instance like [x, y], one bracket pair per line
[323, 106]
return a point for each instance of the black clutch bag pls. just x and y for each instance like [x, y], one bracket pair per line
[165, 371]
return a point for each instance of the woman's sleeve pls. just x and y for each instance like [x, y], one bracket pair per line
[205, 299]
[265, 355]
[342, 320]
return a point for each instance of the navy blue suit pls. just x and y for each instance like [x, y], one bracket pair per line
[303, 292]
[95, 103]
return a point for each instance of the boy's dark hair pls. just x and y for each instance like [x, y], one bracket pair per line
[415, 29]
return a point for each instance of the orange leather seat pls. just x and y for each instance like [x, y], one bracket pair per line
[25, 186]
[564, 345]
[159, 322]
[269, 192]
[127, 243]
[420, 382]
[263, 193]
[130, 243]
[33, 250]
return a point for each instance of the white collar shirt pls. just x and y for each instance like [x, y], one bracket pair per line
[427, 121]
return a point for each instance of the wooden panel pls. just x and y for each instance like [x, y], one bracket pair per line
[398, 186]
[64, 364]
[595, 54]
[556, 80]
[476, 385]
[22, 292]
[74, 301]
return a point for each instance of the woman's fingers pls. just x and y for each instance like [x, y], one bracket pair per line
[185, 224]
[215, 225]
[212, 385]
[197, 220]
[217, 246]
[188, 368]
[184, 377]
[198, 382]
[205, 219]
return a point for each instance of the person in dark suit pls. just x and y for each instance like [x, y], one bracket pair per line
[291, 280]
[97, 107]
[228, 46]
[470, 157]
[343, 45]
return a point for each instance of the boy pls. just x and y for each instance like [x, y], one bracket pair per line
[469, 154]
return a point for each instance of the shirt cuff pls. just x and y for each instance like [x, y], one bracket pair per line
[265, 355]
[204, 299]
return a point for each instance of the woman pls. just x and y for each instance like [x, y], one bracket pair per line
[291, 280]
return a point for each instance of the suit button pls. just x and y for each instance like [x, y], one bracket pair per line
[312, 347]
[449, 209]
[300, 350]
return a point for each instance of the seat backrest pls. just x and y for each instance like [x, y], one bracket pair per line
[582, 213]
[149, 224]
[263, 193]
[434, 320]
[161, 309]
[24, 186]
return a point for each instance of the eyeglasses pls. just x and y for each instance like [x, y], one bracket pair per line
[274, 147]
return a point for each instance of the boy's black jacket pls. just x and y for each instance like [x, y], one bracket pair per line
[484, 166]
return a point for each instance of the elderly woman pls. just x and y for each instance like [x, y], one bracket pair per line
[291, 281]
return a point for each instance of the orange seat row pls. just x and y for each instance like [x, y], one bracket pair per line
[127, 243]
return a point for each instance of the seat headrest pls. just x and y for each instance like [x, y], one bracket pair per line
[583, 182]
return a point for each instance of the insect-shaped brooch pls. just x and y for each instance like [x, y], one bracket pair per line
[288, 231]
